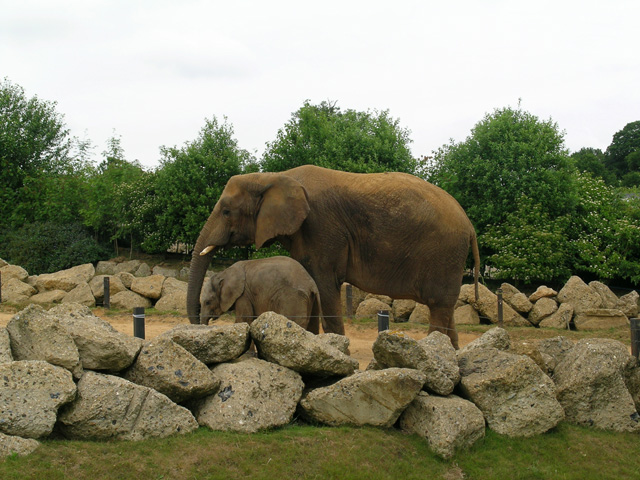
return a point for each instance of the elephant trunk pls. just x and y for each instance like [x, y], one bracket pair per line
[197, 272]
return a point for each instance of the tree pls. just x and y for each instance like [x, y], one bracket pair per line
[105, 205]
[34, 142]
[593, 161]
[352, 141]
[624, 143]
[190, 181]
[510, 154]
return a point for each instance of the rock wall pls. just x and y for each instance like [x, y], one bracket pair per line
[134, 284]
[68, 372]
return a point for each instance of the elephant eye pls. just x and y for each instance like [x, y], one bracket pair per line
[226, 212]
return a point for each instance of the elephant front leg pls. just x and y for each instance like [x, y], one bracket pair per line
[332, 321]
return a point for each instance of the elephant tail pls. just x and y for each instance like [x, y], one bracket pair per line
[476, 261]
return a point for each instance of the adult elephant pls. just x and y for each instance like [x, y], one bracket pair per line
[386, 233]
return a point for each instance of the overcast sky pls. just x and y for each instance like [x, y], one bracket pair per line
[154, 70]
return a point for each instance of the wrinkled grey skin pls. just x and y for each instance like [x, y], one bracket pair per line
[252, 287]
[386, 233]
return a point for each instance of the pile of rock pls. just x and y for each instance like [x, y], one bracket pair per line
[131, 284]
[134, 284]
[577, 305]
[66, 372]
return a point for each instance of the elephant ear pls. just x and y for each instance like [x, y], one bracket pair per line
[283, 208]
[231, 287]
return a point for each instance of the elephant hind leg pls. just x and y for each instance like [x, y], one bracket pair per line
[442, 321]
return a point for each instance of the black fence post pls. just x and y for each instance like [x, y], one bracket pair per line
[138, 322]
[500, 308]
[635, 336]
[106, 303]
[349, 300]
[383, 320]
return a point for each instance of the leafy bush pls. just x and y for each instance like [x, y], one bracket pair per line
[49, 247]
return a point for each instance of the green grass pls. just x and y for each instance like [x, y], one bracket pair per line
[310, 452]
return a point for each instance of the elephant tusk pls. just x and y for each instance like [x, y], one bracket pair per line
[207, 249]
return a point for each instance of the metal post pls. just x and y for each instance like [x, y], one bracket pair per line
[349, 300]
[106, 303]
[383, 320]
[635, 336]
[500, 314]
[138, 322]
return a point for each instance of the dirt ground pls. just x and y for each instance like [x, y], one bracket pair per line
[361, 336]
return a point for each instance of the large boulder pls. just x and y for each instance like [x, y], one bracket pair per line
[174, 296]
[561, 318]
[5, 346]
[281, 341]
[466, 315]
[420, 314]
[254, 395]
[32, 392]
[629, 304]
[129, 300]
[609, 299]
[37, 335]
[65, 280]
[149, 287]
[105, 267]
[543, 308]
[447, 423]
[168, 368]
[374, 397]
[48, 297]
[542, 292]
[13, 271]
[496, 337]
[487, 305]
[16, 292]
[402, 309]
[81, 294]
[580, 295]
[434, 356]
[590, 381]
[212, 343]
[515, 298]
[11, 445]
[556, 347]
[97, 286]
[100, 346]
[370, 307]
[110, 408]
[599, 318]
[515, 396]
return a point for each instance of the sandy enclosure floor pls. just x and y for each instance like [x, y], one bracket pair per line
[360, 336]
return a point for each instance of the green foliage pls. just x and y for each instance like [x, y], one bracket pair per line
[593, 161]
[107, 200]
[190, 181]
[510, 154]
[34, 143]
[624, 143]
[529, 246]
[604, 231]
[47, 247]
[323, 135]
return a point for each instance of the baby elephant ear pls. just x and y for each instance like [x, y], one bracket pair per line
[284, 206]
[231, 286]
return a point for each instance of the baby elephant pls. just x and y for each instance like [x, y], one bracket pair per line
[277, 284]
